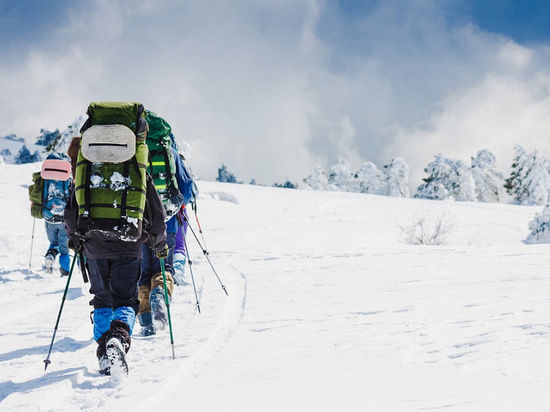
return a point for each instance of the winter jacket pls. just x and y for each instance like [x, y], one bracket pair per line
[154, 229]
[186, 186]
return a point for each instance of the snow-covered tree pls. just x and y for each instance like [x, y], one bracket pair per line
[397, 178]
[488, 179]
[519, 158]
[24, 156]
[447, 179]
[339, 178]
[286, 185]
[540, 227]
[62, 143]
[317, 180]
[529, 182]
[369, 179]
[47, 138]
[225, 176]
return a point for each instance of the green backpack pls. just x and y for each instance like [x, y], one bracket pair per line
[110, 176]
[36, 191]
[162, 165]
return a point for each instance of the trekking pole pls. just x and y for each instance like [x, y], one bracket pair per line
[167, 300]
[191, 271]
[47, 360]
[205, 253]
[199, 225]
[32, 243]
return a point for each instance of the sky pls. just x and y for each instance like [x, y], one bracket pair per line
[274, 88]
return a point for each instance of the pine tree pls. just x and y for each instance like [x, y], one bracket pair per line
[225, 176]
[48, 139]
[397, 178]
[286, 185]
[489, 181]
[540, 227]
[316, 181]
[339, 178]
[369, 179]
[529, 182]
[519, 158]
[447, 179]
[24, 156]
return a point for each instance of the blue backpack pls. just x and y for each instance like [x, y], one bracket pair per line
[49, 196]
[55, 196]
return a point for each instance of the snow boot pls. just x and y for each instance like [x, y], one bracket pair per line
[64, 264]
[158, 308]
[179, 269]
[158, 301]
[116, 347]
[49, 260]
[144, 316]
[101, 353]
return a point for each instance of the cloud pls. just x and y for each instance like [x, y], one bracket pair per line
[273, 88]
[495, 114]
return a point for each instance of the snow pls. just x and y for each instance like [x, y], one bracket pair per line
[328, 310]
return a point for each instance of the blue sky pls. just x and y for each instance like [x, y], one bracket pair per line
[274, 88]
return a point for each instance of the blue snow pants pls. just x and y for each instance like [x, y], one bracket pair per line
[113, 282]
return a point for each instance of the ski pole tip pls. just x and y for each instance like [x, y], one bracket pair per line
[46, 363]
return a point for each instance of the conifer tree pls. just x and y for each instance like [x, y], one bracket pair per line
[489, 181]
[369, 179]
[317, 180]
[339, 178]
[397, 178]
[447, 179]
[529, 182]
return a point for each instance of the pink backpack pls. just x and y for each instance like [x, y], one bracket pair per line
[56, 169]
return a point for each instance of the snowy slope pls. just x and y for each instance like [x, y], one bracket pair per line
[328, 310]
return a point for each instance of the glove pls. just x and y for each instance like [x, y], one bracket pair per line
[163, 253]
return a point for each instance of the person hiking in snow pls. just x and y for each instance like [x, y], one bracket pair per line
[53, 186]
[152, 313]
[72, 152]
[180, 254]
[112, 245]
[190, 193]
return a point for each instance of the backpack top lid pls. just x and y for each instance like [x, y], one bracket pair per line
[112, 131]
[56, 167]
[111, 143]
[158, 127]
[129, 114]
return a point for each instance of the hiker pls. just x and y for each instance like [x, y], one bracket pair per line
[180, 254]
[113, 210]
[175, 187]
[49, 195]
[72, 152]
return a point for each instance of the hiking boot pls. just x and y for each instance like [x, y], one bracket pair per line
[63, 272]
[117, 344]
[145, 320]
[49, 260]
[116, 358]
[104, 365]
[104, 362]
[179, 269]
[158, 308]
